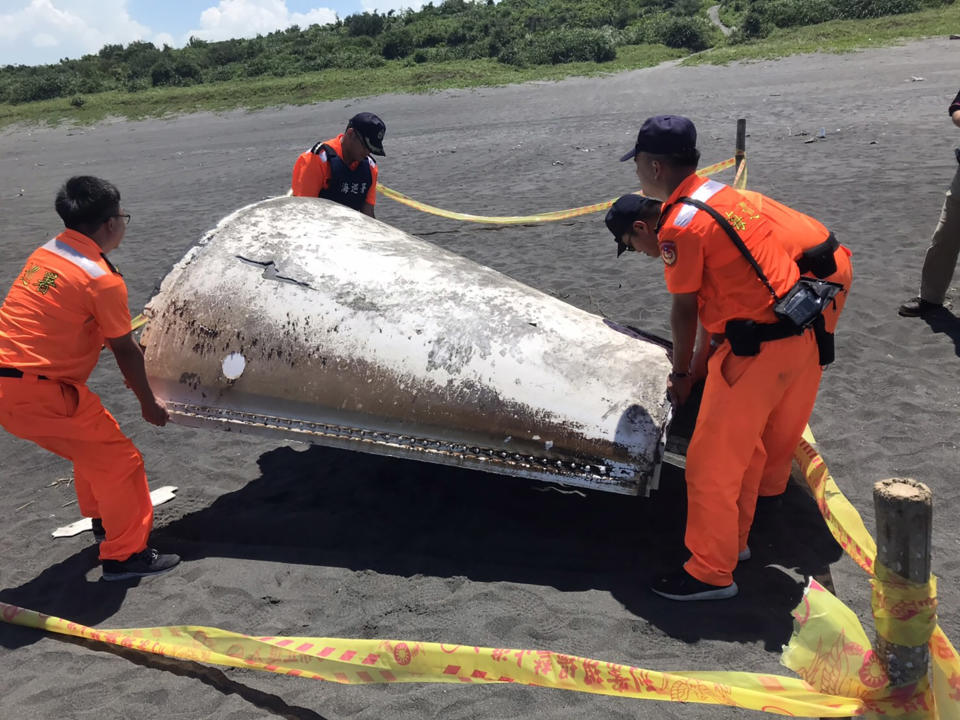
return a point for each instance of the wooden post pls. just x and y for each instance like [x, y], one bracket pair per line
[904, 511]
[741, 142]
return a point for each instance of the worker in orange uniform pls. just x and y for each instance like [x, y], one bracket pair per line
[633, 220]
[64, 305]
[341, 169]
[800, 234]
[732, 271]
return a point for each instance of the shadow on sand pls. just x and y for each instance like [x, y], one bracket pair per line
[334, 508]
[941, 320]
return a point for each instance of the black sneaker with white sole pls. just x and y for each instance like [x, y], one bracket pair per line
[141, 564]
[683, 586]
[99, 534]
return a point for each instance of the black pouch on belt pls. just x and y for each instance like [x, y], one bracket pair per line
[824, 341]
[804, 302]
[820, 260]
[743, 337]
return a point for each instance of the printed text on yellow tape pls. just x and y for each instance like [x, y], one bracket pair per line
[848, 529]
[355, 661]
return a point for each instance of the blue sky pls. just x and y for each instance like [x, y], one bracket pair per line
[35, 32]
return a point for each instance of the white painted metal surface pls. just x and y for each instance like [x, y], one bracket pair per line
[305, 318]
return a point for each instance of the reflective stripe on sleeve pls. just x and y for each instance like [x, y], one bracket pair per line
[702, 193]
[77, 258]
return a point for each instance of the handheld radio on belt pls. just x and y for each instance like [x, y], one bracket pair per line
[800, 308]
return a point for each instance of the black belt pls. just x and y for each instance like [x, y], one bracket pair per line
[14, 373]
[745, 336]
[777, 331]
[764, 332]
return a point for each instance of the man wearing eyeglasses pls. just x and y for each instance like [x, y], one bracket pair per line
[341, 169]
[66, 303]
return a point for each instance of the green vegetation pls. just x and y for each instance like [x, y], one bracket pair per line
[834, 36]
[456, 43]
[259, 93]
[758, 18]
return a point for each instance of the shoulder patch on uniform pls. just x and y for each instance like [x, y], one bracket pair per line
[668, 252]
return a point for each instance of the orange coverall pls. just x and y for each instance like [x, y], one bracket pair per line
[753, 406]
[798, 232]
[53, 322]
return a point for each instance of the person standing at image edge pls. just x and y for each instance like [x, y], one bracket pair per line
[66, 302]
[941, 259]
[342, 169]
[765, 383]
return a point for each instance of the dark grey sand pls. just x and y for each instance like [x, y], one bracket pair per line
[281, 540]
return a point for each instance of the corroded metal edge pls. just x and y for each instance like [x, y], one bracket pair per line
[598, 475]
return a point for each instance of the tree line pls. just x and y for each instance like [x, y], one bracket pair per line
[515, 32]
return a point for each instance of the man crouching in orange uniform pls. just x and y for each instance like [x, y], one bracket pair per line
[732, 261]
[67, 301]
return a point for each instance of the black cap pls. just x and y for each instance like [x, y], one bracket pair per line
[370, 130]
[665, 135]
[625, 211]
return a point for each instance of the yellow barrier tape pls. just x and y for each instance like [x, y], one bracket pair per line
[848, 529]
[904, 613]
[830, 650]
[841, 674]
[526, 219]
[740, 180]
[360, 662]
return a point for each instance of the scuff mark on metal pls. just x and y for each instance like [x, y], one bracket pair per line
[270, 271]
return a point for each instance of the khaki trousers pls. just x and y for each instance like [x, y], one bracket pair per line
[941, 259]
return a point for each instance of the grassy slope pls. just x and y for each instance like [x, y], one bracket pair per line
[396, 76]
[255, 93]
[839, 36]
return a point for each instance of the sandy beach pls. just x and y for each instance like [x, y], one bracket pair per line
[287, 539]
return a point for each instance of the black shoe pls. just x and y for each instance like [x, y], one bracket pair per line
[915, 307]
[99, 534]
[141, 564]
[683, 586]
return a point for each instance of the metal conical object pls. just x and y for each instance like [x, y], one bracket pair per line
[305, 318]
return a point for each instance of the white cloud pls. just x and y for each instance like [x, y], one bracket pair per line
[44, 40]
[161, 39]
[247, 18]
[44, 31]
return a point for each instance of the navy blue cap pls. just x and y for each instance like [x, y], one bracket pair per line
[625, 211]
[370, 129]
[664, 135]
